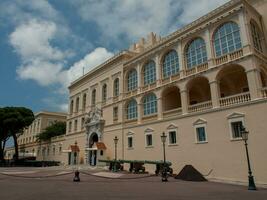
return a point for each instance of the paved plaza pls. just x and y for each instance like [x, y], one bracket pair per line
[53, 183]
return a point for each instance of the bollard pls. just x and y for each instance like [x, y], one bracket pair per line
[76, 176]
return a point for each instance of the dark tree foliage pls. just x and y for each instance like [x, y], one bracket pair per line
[13, 120]
[56, 129]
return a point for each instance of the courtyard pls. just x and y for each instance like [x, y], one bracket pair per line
[57, 183]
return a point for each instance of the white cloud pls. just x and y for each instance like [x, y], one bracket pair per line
[31, 41]
[91, 60]
[136, 18]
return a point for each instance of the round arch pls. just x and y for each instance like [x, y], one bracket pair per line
[171, 98]
[232, 80]
[198, 90]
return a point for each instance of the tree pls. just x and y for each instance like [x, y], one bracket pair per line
[56, 129]
[13, 120]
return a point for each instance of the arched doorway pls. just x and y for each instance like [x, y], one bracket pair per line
[93, 149]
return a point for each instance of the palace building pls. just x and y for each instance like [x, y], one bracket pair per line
[198, 85]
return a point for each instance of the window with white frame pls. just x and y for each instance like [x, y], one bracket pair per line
[82, 123]
[130, 141]
[93, 97]
[149, 140]
[170, 64]
[172, 137]
[196, 53]
[256, 36]
[150, 104]
[104, 92]
[236, 121]
[149, 72]
[84, 101]
[201, 134]
[132, 109]
[75, 125]
[115, 113]
[70, 126]
[236, 129]
[200, 131]
[132, 80]
[77, 104]
[227, 39]
[116, 89]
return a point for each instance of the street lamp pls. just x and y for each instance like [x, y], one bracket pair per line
[164, 169]
[244, 135]
[116, 139]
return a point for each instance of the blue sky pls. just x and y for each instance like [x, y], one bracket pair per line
[44, 44]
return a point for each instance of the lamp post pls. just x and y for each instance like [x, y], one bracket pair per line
[251, 183]
[164, 169]
[116, 139]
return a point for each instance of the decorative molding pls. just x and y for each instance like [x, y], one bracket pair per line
[235, 115]
[130, 133]
[149, 130]
[171, 126]
[200, 121]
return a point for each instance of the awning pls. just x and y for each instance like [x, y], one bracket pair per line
[97, 146]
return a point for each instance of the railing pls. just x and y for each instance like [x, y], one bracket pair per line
[115, 98]
[198, 68]
[235, 99]
[229, 57]
[131, 93]
[176, 111]
[190, 71]
[264, 92]
[200, 106]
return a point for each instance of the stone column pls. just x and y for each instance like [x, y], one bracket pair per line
[160, 110]
[181, 59]
[184, 100]
[215, 93]
[139, 75]
[158, 68]
[254, 83]
[139, 110]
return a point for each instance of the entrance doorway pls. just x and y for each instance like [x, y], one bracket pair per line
[93, 149]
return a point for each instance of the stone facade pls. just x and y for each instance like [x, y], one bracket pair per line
[198, 85]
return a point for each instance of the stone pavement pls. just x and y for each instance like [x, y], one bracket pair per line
[99, 184]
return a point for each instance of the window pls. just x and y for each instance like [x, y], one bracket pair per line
[93, 97]
[48, 151]
[77, 104]
[256, 36]
[201, 134]
[172, 137]
[149, 73]
[70, 126]
[115, 113]
[150, 104]
[132, 80]
[132, 110]
[82, 123]
[54, 150]
[60, 149]
[149, 141]
[196, 53]
[170, 64]
[116, 87]
[71, 107]
[236, 129]
[227, 39]
[75, 125]
[130, 142]
[104, 93]
[84, 101]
